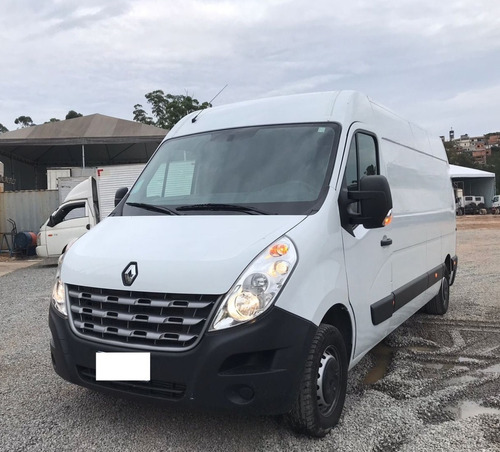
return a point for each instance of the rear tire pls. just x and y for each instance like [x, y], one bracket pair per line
[439, 304]
[324, 384]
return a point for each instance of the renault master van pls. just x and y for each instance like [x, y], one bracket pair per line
[264, 250]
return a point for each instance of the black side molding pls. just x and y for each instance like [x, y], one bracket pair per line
[454, 267]
[386, 307]
[382, 309]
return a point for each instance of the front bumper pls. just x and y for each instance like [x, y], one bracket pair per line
[254, 368]
[41, 251]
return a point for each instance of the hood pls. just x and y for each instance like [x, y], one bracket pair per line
[174, 254]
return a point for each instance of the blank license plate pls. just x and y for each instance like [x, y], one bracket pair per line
[123, 366]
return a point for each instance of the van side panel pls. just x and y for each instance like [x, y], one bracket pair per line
[422, 229]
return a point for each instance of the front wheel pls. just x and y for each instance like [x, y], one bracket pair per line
[324, 384]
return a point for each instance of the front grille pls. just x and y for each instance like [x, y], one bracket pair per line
[165, 390]
[139, 319]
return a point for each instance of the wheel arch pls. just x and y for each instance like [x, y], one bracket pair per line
[339, 317]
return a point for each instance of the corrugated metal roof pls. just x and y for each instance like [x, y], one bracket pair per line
[92, 140]
[94, 128]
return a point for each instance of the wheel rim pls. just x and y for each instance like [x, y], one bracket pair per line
[328, 383]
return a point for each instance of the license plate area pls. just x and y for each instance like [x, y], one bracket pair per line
[122, 366]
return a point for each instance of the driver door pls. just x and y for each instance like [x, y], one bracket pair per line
[69, 222]
[367, 255]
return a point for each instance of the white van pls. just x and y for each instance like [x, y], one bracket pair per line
[264, 250]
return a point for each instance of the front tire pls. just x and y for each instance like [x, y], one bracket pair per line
[324, 384]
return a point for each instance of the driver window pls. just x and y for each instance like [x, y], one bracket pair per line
[362, 161]
[70, 212]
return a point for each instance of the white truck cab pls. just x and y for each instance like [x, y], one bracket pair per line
[265, 249]
[74, 217]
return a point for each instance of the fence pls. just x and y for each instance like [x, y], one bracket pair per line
[29, 209]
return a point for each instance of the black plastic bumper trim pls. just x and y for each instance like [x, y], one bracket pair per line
[454, 267]
[255, 368]
[383, 309]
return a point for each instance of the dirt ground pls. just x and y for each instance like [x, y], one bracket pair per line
[478, 222]
[432, 385]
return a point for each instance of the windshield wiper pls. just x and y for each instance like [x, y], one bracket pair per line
[229, 207]
[152, 207]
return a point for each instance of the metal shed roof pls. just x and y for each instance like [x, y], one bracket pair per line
[474, 182]
[92, 140]
[106, 140]
[463, 172]
[91, 128]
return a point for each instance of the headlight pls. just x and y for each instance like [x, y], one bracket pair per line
[258, 286]
[59, 297]
[59, 292]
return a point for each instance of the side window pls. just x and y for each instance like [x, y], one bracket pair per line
[362, 161]
[70, 213]
[367, 155]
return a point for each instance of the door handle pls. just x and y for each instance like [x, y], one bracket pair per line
[386, 241]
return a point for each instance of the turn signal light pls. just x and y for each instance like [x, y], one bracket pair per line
[280, 249]
[388, 219]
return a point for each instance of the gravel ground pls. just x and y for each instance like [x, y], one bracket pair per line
[433, 385]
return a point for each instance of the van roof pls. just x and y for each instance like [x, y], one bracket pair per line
[297, 108]
[343, 107]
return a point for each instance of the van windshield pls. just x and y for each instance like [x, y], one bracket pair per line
[253, 170]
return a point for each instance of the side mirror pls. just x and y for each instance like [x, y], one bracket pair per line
[120, 193]
[52, 222]
[375, 199]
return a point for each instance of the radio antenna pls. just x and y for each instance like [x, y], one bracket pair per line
[210, 103]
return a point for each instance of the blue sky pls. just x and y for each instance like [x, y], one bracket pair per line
[434, 62]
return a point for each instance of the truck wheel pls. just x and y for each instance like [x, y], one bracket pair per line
[439, 304]
[324, 384]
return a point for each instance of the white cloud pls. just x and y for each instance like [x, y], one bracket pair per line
[474, 112]
[104, 56]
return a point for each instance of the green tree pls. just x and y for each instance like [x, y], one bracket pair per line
[3, 129]
[167, 109]
[52, 120]
[73, 114]
[493, 163]
[24, 121]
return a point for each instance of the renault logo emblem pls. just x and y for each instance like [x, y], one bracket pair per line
[130, 273]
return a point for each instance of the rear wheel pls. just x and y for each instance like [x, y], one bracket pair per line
[324, 383]
[439, 304]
